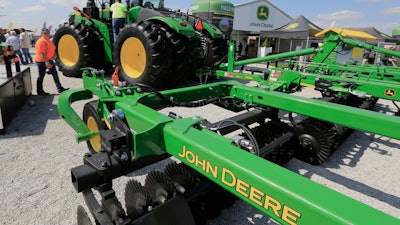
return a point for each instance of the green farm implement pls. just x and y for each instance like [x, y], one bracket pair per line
[344, 83]
[126, 128]
[323, 72]
[137, 135]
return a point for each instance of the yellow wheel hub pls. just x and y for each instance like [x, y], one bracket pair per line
[133, 57]
[95, 141]
[68, 50]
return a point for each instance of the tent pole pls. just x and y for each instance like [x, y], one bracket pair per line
[307, 42]
[279, 45]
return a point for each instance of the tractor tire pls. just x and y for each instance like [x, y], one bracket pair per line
[78, 46]
[94, 123]
[180, 49]
[214, 50]
[141, 54]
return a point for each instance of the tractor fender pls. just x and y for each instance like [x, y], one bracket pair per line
[179, 25]
[139, 14]
[144, 14]
[213, 30]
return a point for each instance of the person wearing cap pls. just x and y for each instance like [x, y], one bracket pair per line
[119, 12]
[45, 53]
[15, 42]
[25, 43]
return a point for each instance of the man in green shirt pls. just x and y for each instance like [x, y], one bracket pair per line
[119, 13]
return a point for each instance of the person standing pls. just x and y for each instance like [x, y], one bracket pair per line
[2, 37]
[45, 53]
[15, 42]
[119, 12]
[365, 57]
[240, 49]
[25, 43]
[32, 40]
[7, 34]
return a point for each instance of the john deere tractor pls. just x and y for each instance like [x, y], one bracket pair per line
[157, 46]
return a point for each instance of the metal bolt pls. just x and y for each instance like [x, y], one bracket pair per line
[119, 113]
[110, 117]
[124, 156]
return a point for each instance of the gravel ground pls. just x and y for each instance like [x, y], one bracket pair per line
[39, 149]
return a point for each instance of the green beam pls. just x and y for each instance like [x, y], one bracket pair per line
[273, 57]
[378, 123]
[281, 194]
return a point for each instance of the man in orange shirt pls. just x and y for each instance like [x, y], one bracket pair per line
[45, 53]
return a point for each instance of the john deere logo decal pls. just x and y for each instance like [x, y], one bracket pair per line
[390, 92]
[262, 12]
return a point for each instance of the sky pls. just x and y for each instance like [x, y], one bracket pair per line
[384, 15]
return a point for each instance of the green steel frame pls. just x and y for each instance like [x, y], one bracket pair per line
[281, 194]
[360, 80]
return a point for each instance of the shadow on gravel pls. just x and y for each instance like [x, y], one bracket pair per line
[345, 181]
[383, 108]
[32, 117]
[350, 152]
[350, 184]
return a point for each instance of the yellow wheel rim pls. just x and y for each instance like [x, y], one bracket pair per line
[68, 50]
[95, 141]
[133, 57]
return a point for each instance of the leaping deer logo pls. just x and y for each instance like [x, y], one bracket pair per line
[262, 12]
[390, 92]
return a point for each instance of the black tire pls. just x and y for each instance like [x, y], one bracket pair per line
[214, 50]
[180, 51]
[141, 54]
[93, 122]
[78, 46]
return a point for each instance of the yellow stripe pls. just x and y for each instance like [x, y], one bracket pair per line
[307, 85]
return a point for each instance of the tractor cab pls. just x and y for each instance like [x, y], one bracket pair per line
[101, 9]
[153, 4]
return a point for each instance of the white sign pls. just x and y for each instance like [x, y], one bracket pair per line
[259, 16]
